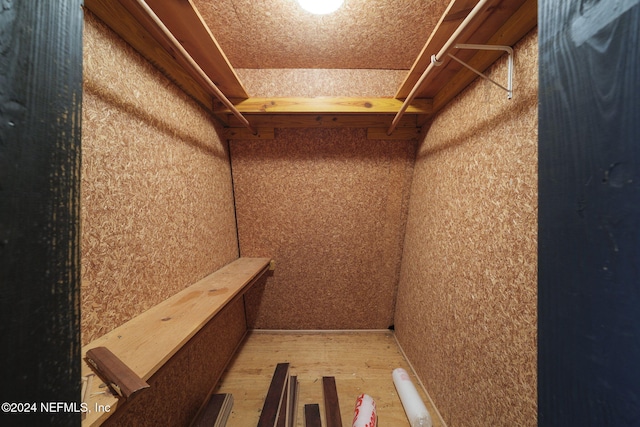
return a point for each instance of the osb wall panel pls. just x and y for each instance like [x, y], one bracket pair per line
[157, 202]
[367, 34]
[276, 82]
[466, 310]
[329, 206]
[188, 377]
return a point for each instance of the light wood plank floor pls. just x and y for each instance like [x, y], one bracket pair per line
[361, 362]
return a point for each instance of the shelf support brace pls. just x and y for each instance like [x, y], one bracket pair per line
[507, 49]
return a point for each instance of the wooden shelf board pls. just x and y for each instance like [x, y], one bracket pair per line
[147, 341]
[494, 25]
[186, 24]
[320, 120]
[123, 23]
[517, 26]
[325, 105]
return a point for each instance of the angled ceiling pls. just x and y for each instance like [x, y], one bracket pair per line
[368, 34]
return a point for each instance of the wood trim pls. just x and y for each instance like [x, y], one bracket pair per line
[490, 26]
[516, 27]
[449, 21]
[146, 342]
[275, 396]
[293, 400]
[325, 105]
[322, 120]
[312, 415]
[216, 411]
[185, 22]
[123, 23]
[115, 373]
[40, 154]
[331, 402]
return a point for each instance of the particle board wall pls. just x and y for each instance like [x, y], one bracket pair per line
[157, 199]
[321, 82]
[330, 207]
[466, 310]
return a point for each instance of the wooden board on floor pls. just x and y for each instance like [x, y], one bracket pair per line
[331, 402]
[361, 362]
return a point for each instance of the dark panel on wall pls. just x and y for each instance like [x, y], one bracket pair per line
[589, 213]
[40, 103]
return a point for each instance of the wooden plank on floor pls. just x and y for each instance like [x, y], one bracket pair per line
[314, 354]
[312, 415]
[283, 412]
[216, 411]
[273, 401]
[293, 400]
[325, 105]
[331, 403]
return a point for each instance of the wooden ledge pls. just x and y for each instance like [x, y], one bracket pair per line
[325, 105]
[147, 341]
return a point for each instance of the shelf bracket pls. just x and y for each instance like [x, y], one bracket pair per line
[507, 49]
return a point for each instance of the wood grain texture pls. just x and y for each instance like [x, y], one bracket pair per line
[277, 398]
[40, 126]
[361, 362]
[123, 23]
[312, 415]
[589, 282]
[489, 22]
[331, 402]
[114, 372]
[157, 202]
[185, 22]
[182, 385]
[326, 105]
[148, 341]
[215, 412]
[467, 300]
[329, 206]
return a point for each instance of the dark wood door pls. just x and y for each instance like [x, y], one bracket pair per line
[40, 122]
[589, 213]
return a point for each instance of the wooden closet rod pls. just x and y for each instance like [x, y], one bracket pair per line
[186, 57]
[435, 61]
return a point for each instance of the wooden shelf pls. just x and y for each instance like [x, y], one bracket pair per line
[182, 18]
[147, 341]
[326, 105]
[502, 22]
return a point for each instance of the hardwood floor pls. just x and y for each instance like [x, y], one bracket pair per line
[361, 362]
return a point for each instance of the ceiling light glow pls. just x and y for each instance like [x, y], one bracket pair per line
[320, 7]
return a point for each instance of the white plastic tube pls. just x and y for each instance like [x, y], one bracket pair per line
[365, 412]
[413, 406]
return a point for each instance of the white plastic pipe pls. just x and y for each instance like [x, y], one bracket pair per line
[365, 412]
[413, 406]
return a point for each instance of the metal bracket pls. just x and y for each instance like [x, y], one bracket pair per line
[507, 49]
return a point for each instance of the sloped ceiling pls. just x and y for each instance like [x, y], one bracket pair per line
[367, 34]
